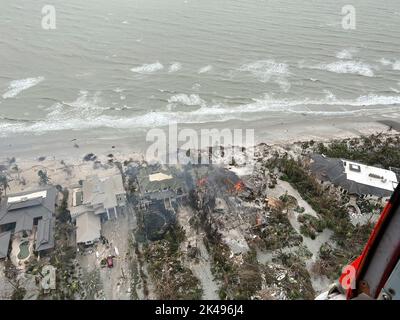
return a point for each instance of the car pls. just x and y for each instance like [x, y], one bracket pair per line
[110, 262]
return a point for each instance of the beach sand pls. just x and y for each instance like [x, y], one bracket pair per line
[63, 152]
[73, 145]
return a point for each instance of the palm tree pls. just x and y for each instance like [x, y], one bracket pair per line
[16, 169]
[44, 179]
[3, 184]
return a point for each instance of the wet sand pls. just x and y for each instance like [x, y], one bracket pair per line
[74, 145]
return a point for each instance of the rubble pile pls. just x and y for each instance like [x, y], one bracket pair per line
[171, 278]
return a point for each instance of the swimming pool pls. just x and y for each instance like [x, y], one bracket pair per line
[23, 250]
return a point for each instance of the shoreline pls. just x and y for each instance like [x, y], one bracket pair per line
[66, 166]
[72, 146]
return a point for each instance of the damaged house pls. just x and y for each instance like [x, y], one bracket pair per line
[95, 201]
[160, 191]
[28, 215]
[354, 178]
[159, 185]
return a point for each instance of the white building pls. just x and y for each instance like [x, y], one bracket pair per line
[353, 177]
[96, 200]
[370, 176]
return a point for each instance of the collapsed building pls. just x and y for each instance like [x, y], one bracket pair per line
[227, 215]
[159, 192]
[159, 184]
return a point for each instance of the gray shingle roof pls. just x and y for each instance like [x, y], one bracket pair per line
[4, 244]
[45, 234]
[23, 213]
[24, 204]
[25, 221]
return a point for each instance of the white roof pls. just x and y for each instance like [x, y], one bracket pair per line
[87, 227]
[29, 196]
[96, 191]
[159, 176]
[371, 176]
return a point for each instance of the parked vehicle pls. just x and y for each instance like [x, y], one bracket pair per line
[110, 262]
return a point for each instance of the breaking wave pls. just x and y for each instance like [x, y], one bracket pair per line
[345, 54]
[205, 69]
[350, 66]
[385, 62]
[268, 104]
[269, 70]
[174, 67]
[86, 112]
[148, 68]
[186, 100]
[394, 64]
[17, 86]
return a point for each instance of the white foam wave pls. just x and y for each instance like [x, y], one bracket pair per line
[395, 64]
[299, 106]
[269, 70]
[187, 100]
[174, 67]
[385, 62]
[284, 84]
[196, 86]
[350, 66]
[118, 90]
[205, 69]
[17, 86]
[265, 69]
[84, 107]
[86, 113]
[148, 68]
[345, 54]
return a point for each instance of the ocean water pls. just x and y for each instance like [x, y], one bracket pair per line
[129, 65]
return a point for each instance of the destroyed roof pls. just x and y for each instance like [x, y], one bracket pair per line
[334, 171]
[87, 227]
[159, 176]
[23, 208]
[156, 181]
[45, 234]
[4, 244]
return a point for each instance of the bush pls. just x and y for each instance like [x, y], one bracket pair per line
[332, 211]
[371, 150]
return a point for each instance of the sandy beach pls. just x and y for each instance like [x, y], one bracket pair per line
[73, 145]
[61, 155]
